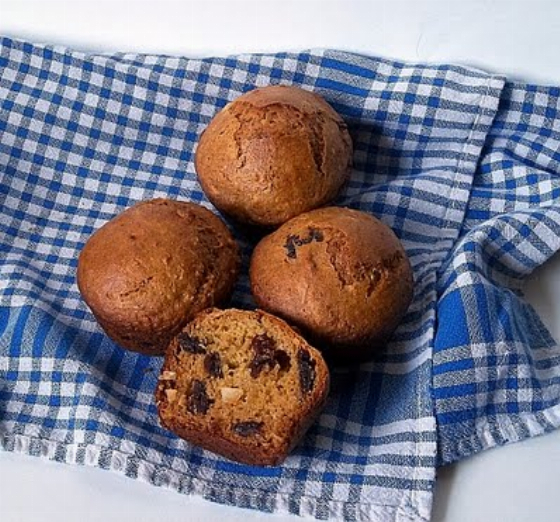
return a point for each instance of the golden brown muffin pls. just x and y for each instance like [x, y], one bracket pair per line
[272, 154]
[242, 384]
[146, 272]
[340, 275]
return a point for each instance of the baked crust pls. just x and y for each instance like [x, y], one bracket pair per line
[146, 272]
[272, 154]
[340, 275]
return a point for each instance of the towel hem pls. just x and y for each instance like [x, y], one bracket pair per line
[487, 436]
[160, 476]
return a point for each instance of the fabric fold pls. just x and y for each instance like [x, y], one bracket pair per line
[496, 366]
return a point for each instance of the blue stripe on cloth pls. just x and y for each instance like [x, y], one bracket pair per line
[511, 226]
[461, 167]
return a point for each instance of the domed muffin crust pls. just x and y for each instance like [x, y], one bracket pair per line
[149, 270]
[272, 154]
[340, 275]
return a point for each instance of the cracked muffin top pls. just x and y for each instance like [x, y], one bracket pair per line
[340, 275]
[145, 273]
[272, 154]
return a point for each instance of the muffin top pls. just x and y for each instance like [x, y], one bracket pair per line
[340, 275]
[146, 272]
[272, 154]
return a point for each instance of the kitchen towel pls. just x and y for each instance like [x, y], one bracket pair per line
[463, 165]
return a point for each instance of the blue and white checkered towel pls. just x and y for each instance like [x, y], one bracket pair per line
[462, 165]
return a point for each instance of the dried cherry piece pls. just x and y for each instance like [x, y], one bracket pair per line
[316, 235]
[213, 364]
[267, 355]
[290, 246]
[263, 348]
[306, 370]
[190, 344]
[247, 428]
[282, 359]
[293, 241]
[197, 399]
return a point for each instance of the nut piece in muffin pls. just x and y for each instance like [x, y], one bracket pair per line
[340, 275]
[272, 154]
[242, 384]
[148, 271]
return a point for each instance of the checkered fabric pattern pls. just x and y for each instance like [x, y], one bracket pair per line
[496, 367]
[461, 165]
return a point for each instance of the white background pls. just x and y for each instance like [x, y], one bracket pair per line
[517, 483]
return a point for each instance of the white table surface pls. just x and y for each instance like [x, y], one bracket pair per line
[517, 483]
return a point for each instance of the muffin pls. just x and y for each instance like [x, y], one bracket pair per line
[340, 275]
[272, 154]
[145, 273]
[242, 384]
